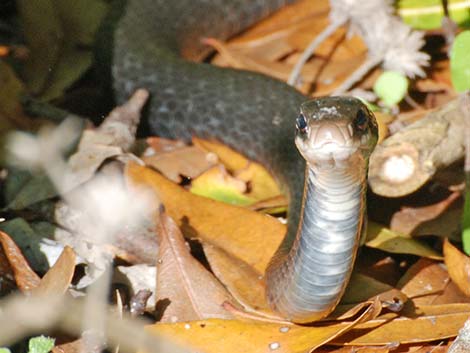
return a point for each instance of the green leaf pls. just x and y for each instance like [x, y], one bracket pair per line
[59, 34]
[459, 62]
[391, 87]
[4, 350]
[428, 14]
[40, 344]
[382, 238]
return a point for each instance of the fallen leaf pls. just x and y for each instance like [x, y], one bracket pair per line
[221, 336]
[186, 291]
[37, 188]
[262, 184]
[26, 279]
[215, 222]
[382, 238]
[188, 161]
[244, 283]
[69, 347]
[11, 90]
[273, 205]
[57, 33]
[362, 288]
[112, 138]
[7, 276]
[139, 277]
[409, 218]
[421, 324]
[157, 145]
[216, 183]
[28, 240]
[355, 349]
[427, 282]
[458, 265]
[57, 280]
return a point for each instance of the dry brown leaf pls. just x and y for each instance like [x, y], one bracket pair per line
[427, 282]
[421, 324]
[69, 347]
[361, 288]
[7, 276]
[216, 183]
[221, 336]
[186, 291]
[26, 279]
[158, 145]
[188, 161]
[272, 205]
[57, 280]
[458, 265]
[274, 45]
[263, 185]
[409, 218]
[214, 222]
[243, 281]
[350, 349]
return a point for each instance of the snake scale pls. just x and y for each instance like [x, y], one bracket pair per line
[155, 45]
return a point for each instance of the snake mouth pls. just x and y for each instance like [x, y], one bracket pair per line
[328, 143]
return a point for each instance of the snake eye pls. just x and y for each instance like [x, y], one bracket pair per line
[361, 120]
[301, 123]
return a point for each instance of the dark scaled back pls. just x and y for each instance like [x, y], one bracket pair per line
[248, 111]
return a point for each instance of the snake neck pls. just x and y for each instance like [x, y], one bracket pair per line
[322, 254]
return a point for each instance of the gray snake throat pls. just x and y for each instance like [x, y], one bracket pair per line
[154, 43]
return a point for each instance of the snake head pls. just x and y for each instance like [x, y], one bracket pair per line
[332, 130]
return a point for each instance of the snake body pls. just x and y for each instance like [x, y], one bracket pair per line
[154, 44]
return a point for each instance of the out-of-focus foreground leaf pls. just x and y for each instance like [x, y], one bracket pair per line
[59, 35]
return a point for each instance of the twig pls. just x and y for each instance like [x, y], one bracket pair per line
[294, 77]
[357, 75]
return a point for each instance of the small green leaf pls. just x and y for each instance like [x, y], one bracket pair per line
[459, 62]
[40, 344]
[391, 87]
[4, 350]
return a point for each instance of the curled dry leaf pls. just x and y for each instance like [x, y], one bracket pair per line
[458, 265]
[26, 279]
[186, 291]
[219, 336]
[111, 139]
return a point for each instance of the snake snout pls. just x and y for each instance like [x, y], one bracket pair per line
[331, 133]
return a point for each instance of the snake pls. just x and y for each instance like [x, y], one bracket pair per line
[156, 44]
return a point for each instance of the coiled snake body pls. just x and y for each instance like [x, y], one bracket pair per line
[256, 115]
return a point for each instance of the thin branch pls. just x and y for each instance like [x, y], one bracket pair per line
[357, 75]
[294, 77]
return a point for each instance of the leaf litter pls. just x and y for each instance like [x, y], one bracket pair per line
[235, 253]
